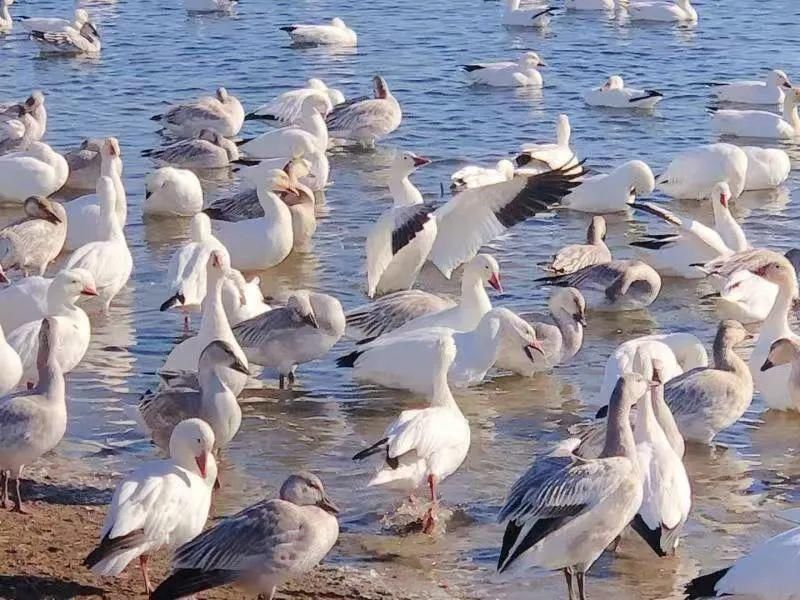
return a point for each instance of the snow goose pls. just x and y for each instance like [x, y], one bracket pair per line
[389, 312]
[366, 120]
[589, 4]
[300, 332]
[565, 511]
[301, 148]
[786, 351]
[84, 165]
[287, 106]
[32, 423]
[335, 34]
[31, 114]
[171, 192]
[12, 366]
[85, 40]
[767, 168]
[760, 123]
[615, 286]
[242, 299]
[262, 546]
[84, 213]
[425, 445]
[614, 94]
[536, 158]
[38, 171]
[163, 503]
[6, 22]
[209, 6]
[214, 325]
[577, 256]
[611, 192]
[694, 172]
[54, 24]
[276, 143]
[32, 243]
[108, 259]
[534, 16]
[214, 402]
[769, 92]
[399, 242]
[560, 340]
[222, 113]
[405, 360]
[209, 150]
[258, 244]
[522, 73]
[680, 11]
[474, 176]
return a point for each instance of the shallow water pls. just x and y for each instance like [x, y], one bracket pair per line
[154, 53]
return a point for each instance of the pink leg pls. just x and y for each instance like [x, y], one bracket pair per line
[429, 521]
[143, 566]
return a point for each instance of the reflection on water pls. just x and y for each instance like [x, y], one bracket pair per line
[154, 53]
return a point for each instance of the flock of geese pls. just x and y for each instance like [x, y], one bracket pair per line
[659, 392]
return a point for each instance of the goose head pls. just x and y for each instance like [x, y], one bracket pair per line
[778, 78]
[300, 303]
[42, 208]
[71, 284]
[380, 87]
[219, 355]
[563, 130]
[778, 271]
[218, 267]
[406, 163]
[315, 104]
[531, 60]
[222, 95]
[35, 101]
[279, 182]
[639, 176]
[81, 17]
[615, 82]
[338, 23]
[171, 181]
[629, 389]
[190, 446]
[328, 314]
[316, 84]
[781, 352]
[792, 97]
[570, 303]
[515, 333]
[306, 489]
[297, 168]
[596, 232]
[483, 268]
[506, 169]
[730, 334]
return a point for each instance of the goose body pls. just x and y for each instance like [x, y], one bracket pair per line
[335, 34]
[678, 11]
[366, 120]
[522, 73]
[172, 192]
[611, 192]
[535, 16]
[694, 172]
[770, 91]
[614, 94]
[38, 171]
[287, 107]
[222, 113]
[759, 123]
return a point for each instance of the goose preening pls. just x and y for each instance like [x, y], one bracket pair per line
[536, 158]
[33, 242]
[767, 168]
[287, 107]
[365, 120]
[12, 366]
[694, 172]
[303, 147]
[770, 91]
[565, 511]
[222, 113]
[618, 285]
[162, 504]
[84, 165]
[214, 401]
[108, 259]
[782, 352]
[85, 40]
[311, 126]
[23, 123]
[284, 338]
[474, 176]
[534, 16]
[589, 4]
[611, 192]
[38, 171]
[209, 6]
[261, 546]
[171, 192]
[6, 22]
[577, 256]
[522, 73]
[51, 24]
[389, 312]
[678, 11]
[208, 150]
[334, 34]
[425, 446]
[760, 123]
[614, 94]
[242, 299]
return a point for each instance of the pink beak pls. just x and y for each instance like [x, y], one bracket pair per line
[3, 278]
[421, 161]
[723, 200]
[494, 281]
[201, 464]
[89, 291]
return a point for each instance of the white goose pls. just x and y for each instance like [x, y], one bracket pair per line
[694, 172]
[38, 171]
[589, 4]
[425, 445]
[759, 123]
[767, 168]
[171, 192]
[335, 34]
[33, 242]
[300, 148]
[222, 113]
[366, 120]
[286, 107]
[474, 176]
[611, 192]
[535, 16]
[536, 158]
[678, 11]
[71, 42]
[11, 372]
[108, 259]
[522, 73]
[614, 94]
[770, 91]
[311, 125]
[52, 24]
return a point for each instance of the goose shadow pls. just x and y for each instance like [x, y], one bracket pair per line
[32, 587]
[64, 495]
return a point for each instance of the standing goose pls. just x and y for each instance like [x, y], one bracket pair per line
[759, 123]
[474, 176]
[694, 173]
[565, 511]
[535, 16]
[770, 91]
[611, 192]
[425, 445]
[209, 149]
[163, 503]
[782, 352]
[311, 126]
[222, 113]
[614, 94]
[84, 40]
[33, 242]
[260, 547]
[537, 158]
[522, 73]
[335, 34]
[286, 107]
[171, 192]
[577, 256]
[38, 171]
[366, 120]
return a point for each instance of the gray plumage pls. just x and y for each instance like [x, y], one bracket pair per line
[31, 243]
[84, 165]
[209, 150]
[391, 311]
[577, 256]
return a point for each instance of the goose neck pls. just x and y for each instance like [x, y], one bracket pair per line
[571, 333]
[403, 191]
[619, 435]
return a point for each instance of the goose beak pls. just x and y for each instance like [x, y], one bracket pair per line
[328, 505]
[240, 367]
[581, 318]
[494, 281]
[88, 291]
[310, 319]
[421, 161]
[3, 278]
[535, 345]
[767, 365]
[201, 464]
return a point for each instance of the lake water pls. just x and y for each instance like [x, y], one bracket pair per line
[154, 53]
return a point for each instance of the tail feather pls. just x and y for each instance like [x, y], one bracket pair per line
[704, 586]
[647, 95]
[185, 582]
[108, 547]
[156, 117]
[174, 300]
[651, 244]
[376, 448]
[255, 117]
[247, 162]
[471, 68]
[348, 361]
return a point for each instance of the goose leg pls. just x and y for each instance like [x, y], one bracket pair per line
[581, 585]
[143, 566]
[429, 521]
[281, 381]
[18, 498]
[568, 577]
[4, 492]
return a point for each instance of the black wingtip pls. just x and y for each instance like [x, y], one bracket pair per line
[376, 448]
[704, 586]
[174, 300]
[288, 28]
[156, 118]
[471, 68]
[185, 582]
[650, 244]
[243, 141]
[651, 536]
[348, 361]
[547, 11]
[647, 95]
[247, 162]
[255, 117]
[602, 412]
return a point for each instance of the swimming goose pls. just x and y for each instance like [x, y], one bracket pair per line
[84, 165]
[611, 192]
[287, 106]
[163, 503]
[767, 168]
[405, 360]
[208, 150]
[284, 338]
[85, 40]
[214, 325]
[108, 259]
[33, 242]
[11, 372]
[770, 91]
[6, 22]
[214, 401]
[32, 423]
[561, 340]
[171, 192]
[310, 125]
[614, 94]
[38, 171]
[759, 123]
[577, 256]
[302, 148]
[618, 285]
[366, 120]
[565, 511]
[694, 172]
[590, 4]
[680, 11]
[35, 115]
[335, 34]
[258, 244]
[260, 547]
[425, 445]
[522, 73]
[536, 16]
[389, 312]
[536, 158]
[474, 176]
[208, 6]
[55, 25]
[84, 213]
[782, 352]
[222, 113]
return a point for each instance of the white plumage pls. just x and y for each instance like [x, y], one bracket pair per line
[614, 94]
